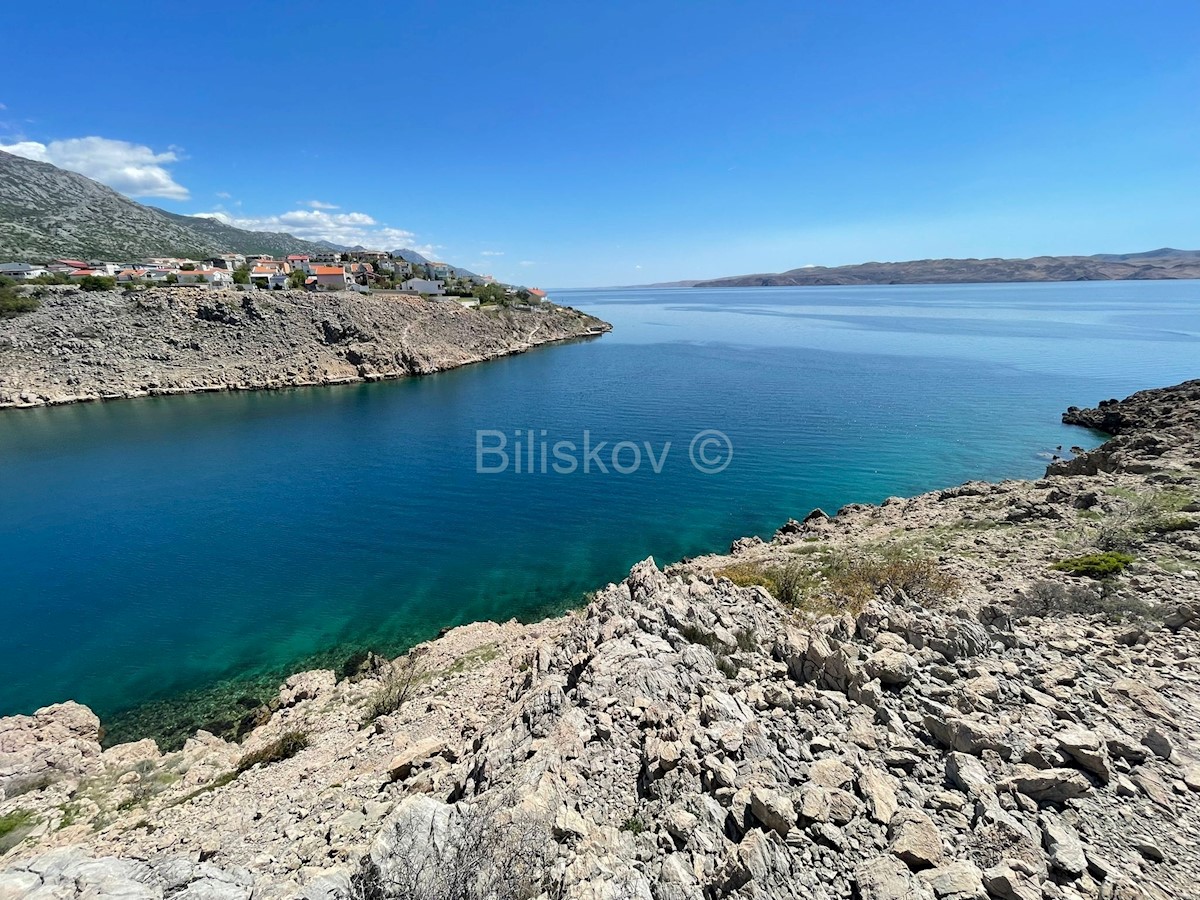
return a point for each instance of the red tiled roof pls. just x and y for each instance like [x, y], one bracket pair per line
[327, 270]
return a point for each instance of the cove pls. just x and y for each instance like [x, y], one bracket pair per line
[157, 547]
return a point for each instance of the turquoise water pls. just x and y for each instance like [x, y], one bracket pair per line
[155, 546]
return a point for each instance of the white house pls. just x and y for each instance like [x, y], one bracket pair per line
[423, 286]
[215, 277]
[21, 271]
[440, 270]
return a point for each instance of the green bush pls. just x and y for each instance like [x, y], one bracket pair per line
[1095, 565]
[284, 747]
[634, 826]
[97, 283]
[13, 303]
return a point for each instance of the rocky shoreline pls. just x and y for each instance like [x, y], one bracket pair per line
[84, 346]
[991, 691]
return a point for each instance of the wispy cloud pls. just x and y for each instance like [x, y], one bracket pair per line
[347, 228]
[528, 262]
[132, 169]
[224, 195]
[491, 252]
[317, 204]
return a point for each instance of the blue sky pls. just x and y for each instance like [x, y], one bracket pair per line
[567, 144]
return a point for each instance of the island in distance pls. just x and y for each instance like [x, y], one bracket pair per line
[1165, 263]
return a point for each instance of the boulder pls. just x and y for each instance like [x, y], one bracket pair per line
[887, 878]
[1088, 749]
[1063, 845]
[773, 810]
[915, 839]
[960, 880]
[1055, 786]
[891, 667]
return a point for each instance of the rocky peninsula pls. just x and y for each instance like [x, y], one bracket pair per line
[82, 346]
[990, 691]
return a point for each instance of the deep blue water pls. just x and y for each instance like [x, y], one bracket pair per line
[153, 546]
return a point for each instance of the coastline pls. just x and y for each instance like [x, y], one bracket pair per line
[84, 347]
[877, 742]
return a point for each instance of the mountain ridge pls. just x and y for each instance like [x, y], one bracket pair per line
[47, 212]
[1162, 264]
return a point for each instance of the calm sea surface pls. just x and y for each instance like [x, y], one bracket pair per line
[158, 546]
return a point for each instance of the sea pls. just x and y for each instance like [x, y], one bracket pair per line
[161, 557]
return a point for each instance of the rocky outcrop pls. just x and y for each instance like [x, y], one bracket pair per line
[81, 346]
[999, 730]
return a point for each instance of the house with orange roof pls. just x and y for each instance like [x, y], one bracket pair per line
[329, 278]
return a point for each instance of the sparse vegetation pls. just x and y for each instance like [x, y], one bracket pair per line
[398, 684]
[283, 747]
[1048, 598]
[855, 579]
[633, 826]
[1095, 565]
[14, 302]
[14, 826]
[1137, 514]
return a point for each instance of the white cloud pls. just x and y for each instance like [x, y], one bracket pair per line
[317, 204]
[224, 195]
[132, 169]
[528, 262]
[492, 252]
[349, 228]
[2, 107]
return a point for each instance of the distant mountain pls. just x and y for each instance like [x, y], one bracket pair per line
[1166, 263]
[411, 256]
[47, 212]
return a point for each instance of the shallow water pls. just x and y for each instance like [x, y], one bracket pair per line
[156, 546]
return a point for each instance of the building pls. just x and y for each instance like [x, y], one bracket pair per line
[299, 261]
[21, 271]
[269, 277]
[226, 261]
[369, 255]
[325, 258]
[214, 277]
[423, 286]
[440, 270]
[329, 278]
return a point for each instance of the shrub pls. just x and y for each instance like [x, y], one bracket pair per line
[97, 283]
[791, 582]
[1095, 565]
[857, 579]
[1046, 598]
[283, 747]
[398, 684]
[13, 303]
[633, 826]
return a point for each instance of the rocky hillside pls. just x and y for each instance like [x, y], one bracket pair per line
[48, 212]
[1166, 263]
[81, 346]
[990, 692]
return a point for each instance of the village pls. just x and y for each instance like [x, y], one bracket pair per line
[333, 270]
